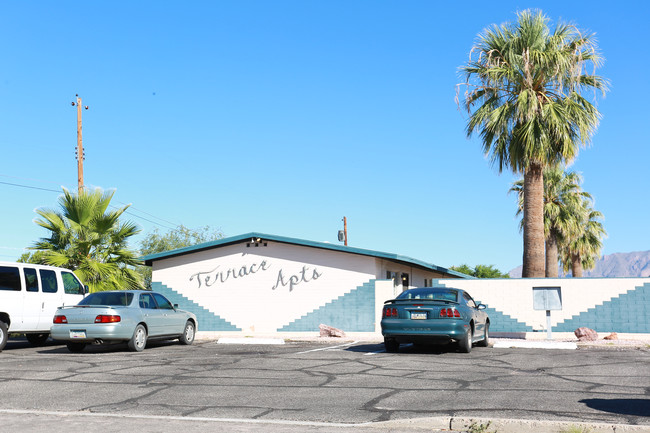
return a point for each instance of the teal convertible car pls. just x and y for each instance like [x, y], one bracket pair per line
[434, 315]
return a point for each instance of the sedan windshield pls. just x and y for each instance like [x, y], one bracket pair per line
[108, 298]
[434, 294]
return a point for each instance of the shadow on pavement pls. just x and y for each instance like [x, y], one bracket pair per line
[623, 406]
[430, 349]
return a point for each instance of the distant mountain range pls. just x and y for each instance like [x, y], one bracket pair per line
[635, 264]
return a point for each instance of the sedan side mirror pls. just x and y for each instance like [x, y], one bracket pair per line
[481, 307]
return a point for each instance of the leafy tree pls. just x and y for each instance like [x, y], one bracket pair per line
[563, 210]
[527, 82]
[180, 237]
[480, 271]
[90, 240]
[582, 247]
[35, 258]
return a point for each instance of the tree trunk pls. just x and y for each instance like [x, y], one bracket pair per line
[576, 266]
[534, 258]
[551, 255]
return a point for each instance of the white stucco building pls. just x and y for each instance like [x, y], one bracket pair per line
[258, 283]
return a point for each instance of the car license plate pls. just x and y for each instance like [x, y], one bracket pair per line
[77, 334]
[419, 315]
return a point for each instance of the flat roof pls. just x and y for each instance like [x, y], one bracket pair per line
[149, 259]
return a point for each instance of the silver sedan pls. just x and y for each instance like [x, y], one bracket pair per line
[132, 316]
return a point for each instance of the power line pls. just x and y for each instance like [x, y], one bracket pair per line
[29, 187]
[130, 213]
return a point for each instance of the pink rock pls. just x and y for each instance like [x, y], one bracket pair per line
[329, 331]
[586, 334]
[612, 336]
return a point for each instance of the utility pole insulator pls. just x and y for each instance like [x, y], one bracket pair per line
[79, 154]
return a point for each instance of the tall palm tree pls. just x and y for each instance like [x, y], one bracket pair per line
[563, 210]
[90, 240]
[527, 82]
[582, 247]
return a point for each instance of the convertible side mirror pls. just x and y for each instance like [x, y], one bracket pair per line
[481, 307]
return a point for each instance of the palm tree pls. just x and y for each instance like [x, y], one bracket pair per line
[90, 240]
[583, 246]
[563, 210]
[527, 82]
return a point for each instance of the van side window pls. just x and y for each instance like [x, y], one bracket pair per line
[71, 285]
[31, 281]
[48, 281]
[9, 278]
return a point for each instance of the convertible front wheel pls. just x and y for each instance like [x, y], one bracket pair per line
[485, 342]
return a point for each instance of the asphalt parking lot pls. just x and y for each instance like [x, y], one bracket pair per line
[315, 386]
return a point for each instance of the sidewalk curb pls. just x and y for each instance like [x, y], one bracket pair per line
[502, 425]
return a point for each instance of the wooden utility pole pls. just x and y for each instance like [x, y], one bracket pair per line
[345, 231]
[80, 147]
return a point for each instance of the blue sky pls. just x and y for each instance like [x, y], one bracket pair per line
[284, 116]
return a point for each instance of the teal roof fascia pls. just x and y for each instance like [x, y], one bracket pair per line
[149, 259]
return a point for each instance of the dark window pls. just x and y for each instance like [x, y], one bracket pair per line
[434, 294]
[469, 301]
[9, 278]
[146, 301]
[48, 281]
[71, 285]
[162, 302]
[114, 299]
[405, 280]
[31, 280]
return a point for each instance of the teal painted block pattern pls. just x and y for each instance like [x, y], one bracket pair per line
[352, 312]
[629, 312]
[500, 322]
[208, 321]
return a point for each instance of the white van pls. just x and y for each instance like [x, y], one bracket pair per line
[29, 297]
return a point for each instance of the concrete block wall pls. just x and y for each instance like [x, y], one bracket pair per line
[603, 304]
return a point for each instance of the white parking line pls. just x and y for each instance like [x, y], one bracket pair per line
[327, 348]
[181, 418]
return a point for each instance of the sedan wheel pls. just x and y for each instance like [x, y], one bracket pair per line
[139, 339]
[37, 339]
[465, 344]
[188, 333]
[76, 347]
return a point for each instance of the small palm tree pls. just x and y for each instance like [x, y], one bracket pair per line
[563, 210]
[90, 240]
[582, 247]
[527, 82]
